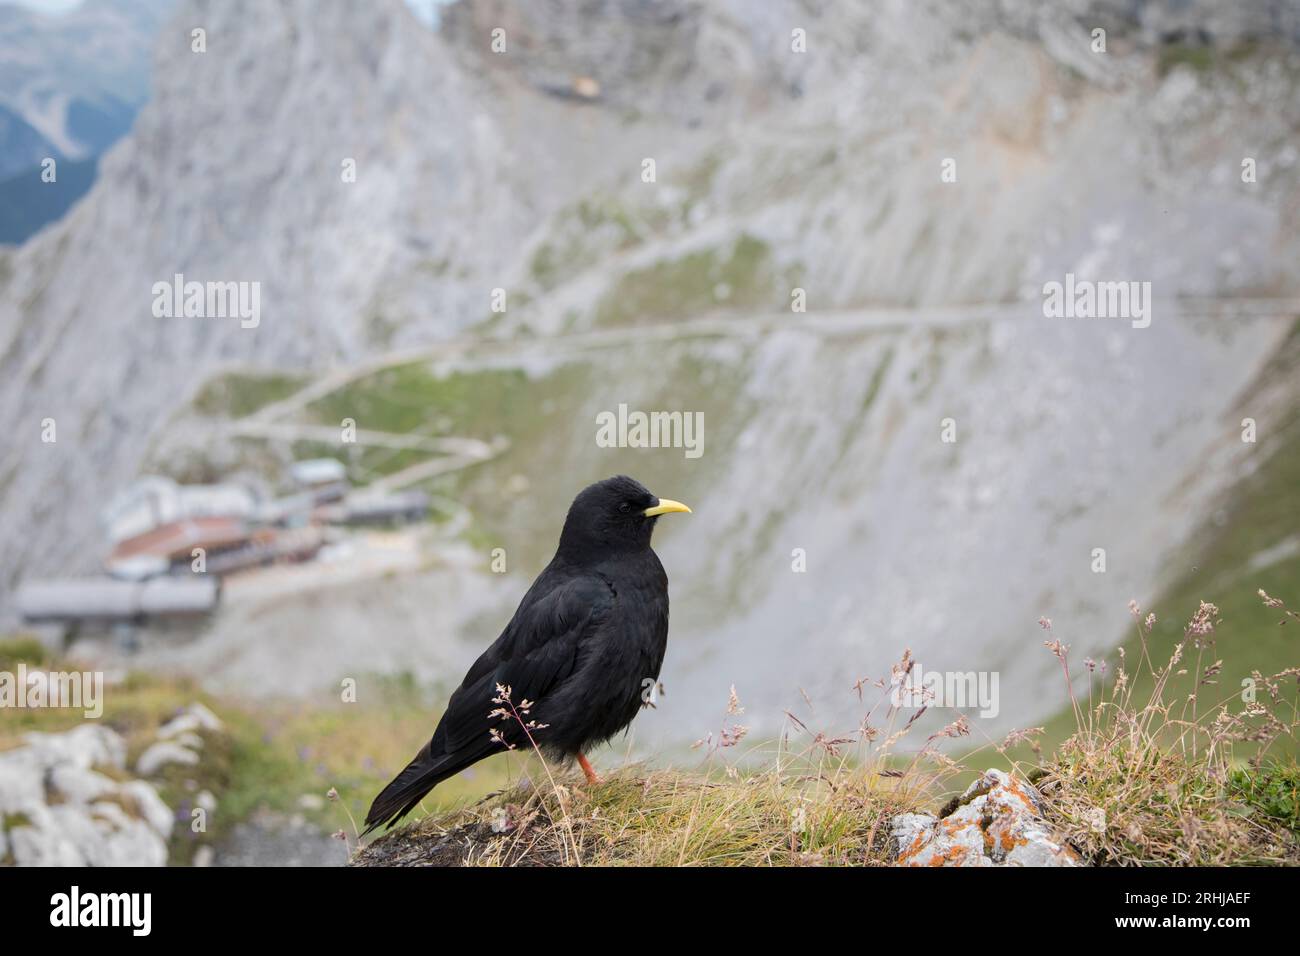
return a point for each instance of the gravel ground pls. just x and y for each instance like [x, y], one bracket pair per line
[274, 841]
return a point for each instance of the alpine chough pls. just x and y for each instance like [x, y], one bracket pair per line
[579, 654]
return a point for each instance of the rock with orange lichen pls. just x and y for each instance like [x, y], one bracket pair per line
[996, 822]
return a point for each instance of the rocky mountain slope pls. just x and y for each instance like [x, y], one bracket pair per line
[775, 170]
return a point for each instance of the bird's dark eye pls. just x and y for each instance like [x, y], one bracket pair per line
[625, 507]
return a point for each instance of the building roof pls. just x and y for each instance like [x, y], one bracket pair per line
[153, 502]
[106, 599]
[178, 539]
[318, 471]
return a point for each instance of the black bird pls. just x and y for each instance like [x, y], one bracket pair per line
[584, 646]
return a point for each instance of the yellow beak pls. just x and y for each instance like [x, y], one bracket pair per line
[665, 506]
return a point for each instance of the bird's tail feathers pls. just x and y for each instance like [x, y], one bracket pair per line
[408, 788]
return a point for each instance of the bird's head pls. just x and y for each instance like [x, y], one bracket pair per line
[617, 514]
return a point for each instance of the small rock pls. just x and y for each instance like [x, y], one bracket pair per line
[22, 785]
[110, 813]
[90, 745]
[191, 740]
[207, 719]
[156, 813]
[996, 823]
[164, 752]
[185, 723]
[43, 846]
[78, 784]
[106, 838]
[195, 717]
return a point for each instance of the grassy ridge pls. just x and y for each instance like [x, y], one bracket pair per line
[1136, 784]
[662, 818]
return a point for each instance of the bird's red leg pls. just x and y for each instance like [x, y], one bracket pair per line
[586, 768]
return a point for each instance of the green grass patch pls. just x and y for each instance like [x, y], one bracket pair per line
[22, 649]
[412, 400]
[589, 229]
[1203, 58]
[738, 276]
[236, 394]
[1273, 792]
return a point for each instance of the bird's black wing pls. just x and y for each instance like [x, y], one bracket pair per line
[537, 651]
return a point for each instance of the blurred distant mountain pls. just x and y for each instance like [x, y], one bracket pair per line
[27, 203]
[24, 146]
[776, 170]
[70, 86]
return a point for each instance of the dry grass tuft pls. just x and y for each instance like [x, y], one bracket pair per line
[669, 818]
[827, 803]
[1153, 782]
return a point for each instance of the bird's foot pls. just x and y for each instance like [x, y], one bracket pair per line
[592, 779]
